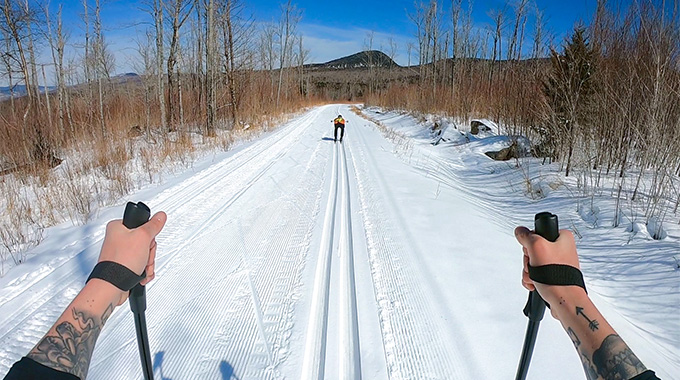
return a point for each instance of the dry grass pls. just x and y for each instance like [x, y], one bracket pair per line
[20, 229]
[101, 167]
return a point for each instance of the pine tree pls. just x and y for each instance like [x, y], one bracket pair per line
[569, 90]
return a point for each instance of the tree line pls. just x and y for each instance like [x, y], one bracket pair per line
[200, 68]
[605, 101]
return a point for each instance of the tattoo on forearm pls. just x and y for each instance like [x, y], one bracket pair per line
[614, 360]
[588, 368]
[592, 324]
[573, 337]
[70, 350]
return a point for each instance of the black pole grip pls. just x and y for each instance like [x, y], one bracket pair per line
[136, 214]
[546, 225]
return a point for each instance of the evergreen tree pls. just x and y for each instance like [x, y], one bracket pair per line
[569, 90]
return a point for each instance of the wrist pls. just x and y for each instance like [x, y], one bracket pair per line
[102, 293]
[566, 299]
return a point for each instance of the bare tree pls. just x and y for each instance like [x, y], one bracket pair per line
[368, 60]
[290, 17]
[14, 21]
[57, 42]
[199, 40]
[179, 11]
[456, 9]
[8, 61]
[409, 51]
[428, 20]
[30, 17]
[210, 62]
[539, 26]
[302, 55]
[268, 55]
[146, 51]
[102, 63]
[515, 47]
[498, 17]
[392, 48]
[226, 14]
[160, 32]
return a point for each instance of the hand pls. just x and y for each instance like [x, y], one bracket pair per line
[133, 248]
[537, 252]
[603, 353]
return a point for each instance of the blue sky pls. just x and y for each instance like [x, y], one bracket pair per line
[330, 29]
[334, 29]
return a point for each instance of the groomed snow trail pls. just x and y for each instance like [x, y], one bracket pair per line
[350, 360]
[315, 347]
[315, 350]
[298, 257]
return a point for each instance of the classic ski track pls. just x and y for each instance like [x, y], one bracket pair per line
[315, 353]
[264, 275]
[177, 195]
[282, 143]
[32, 317]
[350, 359]
[313, 362]
[427, 354]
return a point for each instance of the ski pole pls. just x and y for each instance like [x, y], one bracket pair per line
[546, 225]
[136, 214]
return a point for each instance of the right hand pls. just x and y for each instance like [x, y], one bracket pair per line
[133, 248]
[539, 251]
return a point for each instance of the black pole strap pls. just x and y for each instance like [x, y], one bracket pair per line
[557, 274]
[117, 274]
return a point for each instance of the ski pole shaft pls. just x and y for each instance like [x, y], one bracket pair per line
[547, 226]
[136, 214]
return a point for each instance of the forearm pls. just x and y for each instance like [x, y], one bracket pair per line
[69, 344]
[603, 353]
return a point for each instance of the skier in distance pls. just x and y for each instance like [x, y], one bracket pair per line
[339, 124]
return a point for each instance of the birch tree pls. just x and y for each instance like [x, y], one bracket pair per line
[210, 62]
[179, 11]
[290, 17]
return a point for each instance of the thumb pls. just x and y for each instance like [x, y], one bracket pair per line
[154, 226]
[524, 236]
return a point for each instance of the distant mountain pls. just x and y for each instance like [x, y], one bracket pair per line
[372, 58]
[127, 77]
[20, 90]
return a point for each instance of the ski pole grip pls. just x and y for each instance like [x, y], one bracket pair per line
[135, 215]
[546, 225]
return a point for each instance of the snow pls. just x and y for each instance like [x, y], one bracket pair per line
[386, 256]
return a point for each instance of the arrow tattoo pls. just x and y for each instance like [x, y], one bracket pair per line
[592, 324]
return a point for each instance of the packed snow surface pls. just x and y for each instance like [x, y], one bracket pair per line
[381, 257]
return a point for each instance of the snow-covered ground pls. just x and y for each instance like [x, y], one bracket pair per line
[296, 257]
